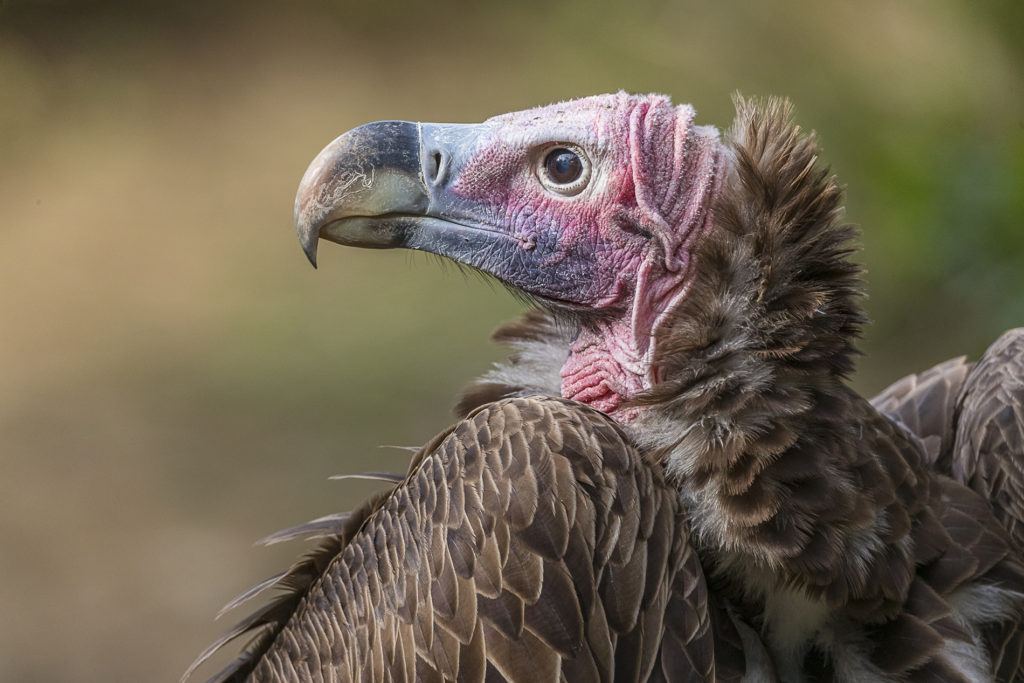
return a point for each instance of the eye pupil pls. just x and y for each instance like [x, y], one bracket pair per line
[563, 165]
[564, 170]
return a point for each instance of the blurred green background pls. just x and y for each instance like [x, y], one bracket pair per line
[178, 382]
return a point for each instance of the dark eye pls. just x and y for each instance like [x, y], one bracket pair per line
[563, 165]
[564, 170]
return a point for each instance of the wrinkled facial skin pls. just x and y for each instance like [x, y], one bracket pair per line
[479, 194]
[613, 241]
[583, 248]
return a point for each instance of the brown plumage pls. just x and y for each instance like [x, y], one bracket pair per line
[530, 542]
[971, 418]
[826, 523]
[863, 541]
[990, 432]
[925, 404]
[796, 484]
[972, 415]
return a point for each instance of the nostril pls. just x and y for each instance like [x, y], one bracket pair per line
[434, 163]
[435, 168]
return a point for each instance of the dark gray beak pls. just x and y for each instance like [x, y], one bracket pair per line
[370, 173]
[424, 186]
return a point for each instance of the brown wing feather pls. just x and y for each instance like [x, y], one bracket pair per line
[795, 484]
[988, 454]
[529, 543]
[925, 404]
[972, 417]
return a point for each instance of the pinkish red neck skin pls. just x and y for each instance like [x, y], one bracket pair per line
[602, 369]
[624, 243]
[611, 362]
[674, 189]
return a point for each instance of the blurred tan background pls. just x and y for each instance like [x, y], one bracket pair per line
[176, 381]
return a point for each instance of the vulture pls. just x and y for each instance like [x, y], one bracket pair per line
[669, 478]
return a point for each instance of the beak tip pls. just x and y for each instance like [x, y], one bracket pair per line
[309, 249]
[309, 238]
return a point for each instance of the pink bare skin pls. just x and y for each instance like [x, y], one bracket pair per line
[613, 249]
[644, 241]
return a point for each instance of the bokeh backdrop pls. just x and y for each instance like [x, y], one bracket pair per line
[176, 381]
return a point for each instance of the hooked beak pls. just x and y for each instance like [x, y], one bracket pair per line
[396, 184]
[385, 185]
[369, 173]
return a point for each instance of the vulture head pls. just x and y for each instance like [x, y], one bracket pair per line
[592, 207]
[698, 288]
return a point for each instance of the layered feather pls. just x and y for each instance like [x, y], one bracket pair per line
[538, 540]
[530, 542]
[974, 415]
[797, 485]
[800, 491]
